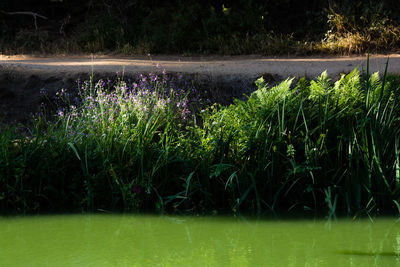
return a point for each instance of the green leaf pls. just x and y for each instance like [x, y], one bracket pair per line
[74, 149]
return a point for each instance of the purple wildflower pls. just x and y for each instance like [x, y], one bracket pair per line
[136, 189]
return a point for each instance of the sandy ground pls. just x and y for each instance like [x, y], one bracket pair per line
[221, 78]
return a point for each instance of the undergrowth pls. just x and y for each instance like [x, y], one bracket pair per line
[369, 30]
[315, 146]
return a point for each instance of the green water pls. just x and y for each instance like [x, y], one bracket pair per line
[118, 240]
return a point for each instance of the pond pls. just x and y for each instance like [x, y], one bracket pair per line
[132, 240]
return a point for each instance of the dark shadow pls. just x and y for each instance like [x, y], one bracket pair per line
[369, 254]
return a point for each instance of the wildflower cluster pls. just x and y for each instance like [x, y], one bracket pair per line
[105, 106]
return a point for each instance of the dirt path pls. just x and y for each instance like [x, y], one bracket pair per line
[221, 78]
[245, 66]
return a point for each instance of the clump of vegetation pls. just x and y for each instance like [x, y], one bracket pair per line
[370, 29]
[147, 145]
[119, 135]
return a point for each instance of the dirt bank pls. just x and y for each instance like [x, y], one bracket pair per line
[22, 77]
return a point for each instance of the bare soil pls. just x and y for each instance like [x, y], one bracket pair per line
[220, 78]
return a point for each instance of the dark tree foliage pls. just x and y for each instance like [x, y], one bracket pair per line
[176, 25]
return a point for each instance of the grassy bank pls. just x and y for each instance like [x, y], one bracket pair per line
[153, 145]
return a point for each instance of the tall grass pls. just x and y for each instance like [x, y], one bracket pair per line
[318, 146]
[360, 29]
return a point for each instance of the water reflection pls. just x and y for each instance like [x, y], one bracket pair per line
[369, 254]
